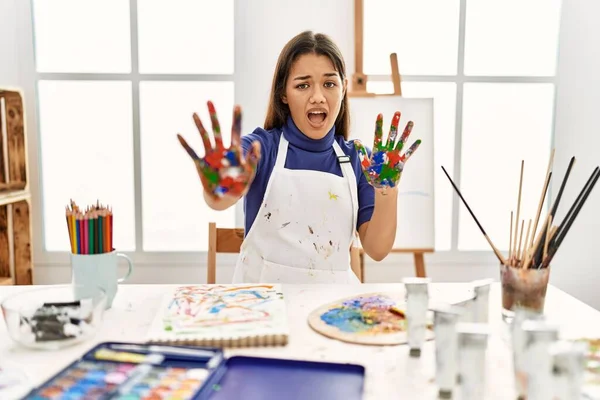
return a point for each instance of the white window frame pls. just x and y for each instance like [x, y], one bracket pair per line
[28, 81]
[30, 78]
[454, 255]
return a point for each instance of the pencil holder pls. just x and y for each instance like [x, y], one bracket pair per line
[90, 271]
[523, 287]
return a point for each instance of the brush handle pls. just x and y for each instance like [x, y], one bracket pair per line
[537, 255]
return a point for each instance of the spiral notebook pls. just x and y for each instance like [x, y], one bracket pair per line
[222, 315]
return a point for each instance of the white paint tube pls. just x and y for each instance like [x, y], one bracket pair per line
[417, 303]
[518, 346]
[472, 348]
[445, 318]
[539, 336]
[568, 368]
[481, 289]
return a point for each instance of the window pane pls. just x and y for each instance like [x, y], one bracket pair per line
[502, 125]
[423, 33]
[444, 112]
[175, 216]
[186, 36]
[512, 37]
[87, 155]
[82, 36]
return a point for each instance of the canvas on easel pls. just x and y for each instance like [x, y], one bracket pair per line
[416, 207]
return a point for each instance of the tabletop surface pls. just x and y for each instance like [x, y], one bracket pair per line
[390, 372]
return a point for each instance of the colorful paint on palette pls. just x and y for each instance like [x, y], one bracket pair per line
[95, 380]
[223, 171]
[383, 168]
[366, 315]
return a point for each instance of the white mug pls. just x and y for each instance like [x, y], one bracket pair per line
[90, 271]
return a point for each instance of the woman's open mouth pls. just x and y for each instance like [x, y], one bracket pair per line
[317, 118]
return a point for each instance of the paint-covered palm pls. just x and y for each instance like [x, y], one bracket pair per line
[224, 171]
[384, 167]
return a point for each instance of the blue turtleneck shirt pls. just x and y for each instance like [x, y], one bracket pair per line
[303, 153]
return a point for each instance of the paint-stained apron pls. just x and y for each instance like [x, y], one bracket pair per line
[304, 228]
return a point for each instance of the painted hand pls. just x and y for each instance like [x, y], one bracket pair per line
[384, 168]
[223, 172]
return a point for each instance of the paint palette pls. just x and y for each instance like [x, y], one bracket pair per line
[128, 371]
[370, 319]
[137, 372]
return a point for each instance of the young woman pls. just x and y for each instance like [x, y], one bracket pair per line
[306, 188]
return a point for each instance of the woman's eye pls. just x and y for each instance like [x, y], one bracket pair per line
[302, 86]
[330, 84]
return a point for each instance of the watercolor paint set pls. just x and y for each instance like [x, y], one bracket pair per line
[128, 371]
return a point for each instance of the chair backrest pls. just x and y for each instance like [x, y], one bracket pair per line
[229, 240]
[221, 240]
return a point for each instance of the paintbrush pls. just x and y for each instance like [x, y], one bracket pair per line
[538, 253]
[496, 252]
[397, 311]
[518, 213]
[567, 222]
[583, 193]
[543, 196]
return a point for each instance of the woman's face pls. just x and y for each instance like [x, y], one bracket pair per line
[314, 93]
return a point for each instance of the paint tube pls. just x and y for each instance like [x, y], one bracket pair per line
[481, 288]
[518, 346]
[472, 347]
[539, 336]
[568, 367]
[445, 318]
[417, 303]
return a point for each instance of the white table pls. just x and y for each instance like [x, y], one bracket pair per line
[390, 372]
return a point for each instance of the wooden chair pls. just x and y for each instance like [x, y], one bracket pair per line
[229, 240]
[221, 240]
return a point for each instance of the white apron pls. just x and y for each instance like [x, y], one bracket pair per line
[304, 228]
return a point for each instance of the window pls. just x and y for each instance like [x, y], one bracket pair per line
[116, 81]
[493, 91]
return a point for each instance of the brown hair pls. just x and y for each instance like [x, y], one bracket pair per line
[306, 42]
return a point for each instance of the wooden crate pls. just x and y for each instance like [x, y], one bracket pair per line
[15, 244]
[15, 223]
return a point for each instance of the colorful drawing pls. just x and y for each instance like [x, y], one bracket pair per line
[374, 318]
[223, 171]
[384, 167]
[218, 312]
[196, 307]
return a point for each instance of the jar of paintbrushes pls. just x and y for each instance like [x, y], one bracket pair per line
[525, 272]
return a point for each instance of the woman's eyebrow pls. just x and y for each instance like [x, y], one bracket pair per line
[304, 77]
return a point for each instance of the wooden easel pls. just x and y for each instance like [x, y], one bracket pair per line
[359, 89]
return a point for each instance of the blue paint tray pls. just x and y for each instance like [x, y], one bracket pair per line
[223, 378]
[257, 378]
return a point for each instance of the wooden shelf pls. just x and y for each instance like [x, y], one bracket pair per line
[13, 196]
[16, 267]
[6, 281]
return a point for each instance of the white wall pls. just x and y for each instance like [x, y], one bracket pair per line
[577, 268]
[263, 27]
[9, 65]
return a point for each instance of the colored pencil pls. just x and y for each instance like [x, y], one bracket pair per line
[78, 238]
[100, 234]
[110, 230]
[74, 233]
[107, 234]
[90, 230]
[85, 235]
